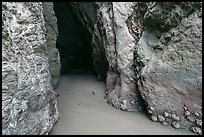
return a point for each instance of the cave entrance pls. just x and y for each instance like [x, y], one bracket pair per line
[73, 41]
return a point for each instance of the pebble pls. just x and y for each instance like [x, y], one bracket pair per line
[198, 122]
[166, 114]
[175, 124]
[196, 130]
[174, 117]
[160, 118]
[187, 113]
[164, 123]
[185, 108]
[149, 111]
[197, 114]
[151, 108]
[154, 118]
[189, 118]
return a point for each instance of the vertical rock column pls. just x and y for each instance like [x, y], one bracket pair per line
[51, 38]
[29, 104]
[113, 49]
[120, 45]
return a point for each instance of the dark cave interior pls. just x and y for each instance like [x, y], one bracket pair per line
[72, 42]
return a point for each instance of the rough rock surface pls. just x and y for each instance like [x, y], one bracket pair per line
[148, 52]
[111, 41]
[168, 60]
[51, 38]
[154, 50]
[29, 103]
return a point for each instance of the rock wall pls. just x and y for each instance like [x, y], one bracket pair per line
[29, 103]
[168, 60]
[51, 39]
[153, 50]
[148, 52]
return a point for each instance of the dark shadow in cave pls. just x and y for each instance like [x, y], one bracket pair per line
[73, 41]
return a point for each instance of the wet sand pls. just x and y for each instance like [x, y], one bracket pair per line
[84, 113]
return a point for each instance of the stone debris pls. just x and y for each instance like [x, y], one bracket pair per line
[175, 124]
[196, 130]
[187, 113]
[198, 122]
[197, 114]
[161, 118]
[189, 118]
[166, 114]
[174, 117]
[164, 123]
[154, 118]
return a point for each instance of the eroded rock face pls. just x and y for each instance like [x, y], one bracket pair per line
[153, 50]
[147, 52]
[112, 42]
[168, 62]
[29, 104]
[51, 39]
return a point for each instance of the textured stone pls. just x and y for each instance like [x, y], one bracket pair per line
[187, 113]
[168, 58]
[198, 122]
[51, 38]
[29, 105]
[175, 124]
[153, 50]
[149, 53]
[166, 114]
[196, 130]
[154, 118]
[161, 118]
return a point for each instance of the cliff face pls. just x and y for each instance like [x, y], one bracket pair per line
[29, 103]
[148, 53]
[153, 50]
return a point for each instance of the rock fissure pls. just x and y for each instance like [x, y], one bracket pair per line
[148, 54]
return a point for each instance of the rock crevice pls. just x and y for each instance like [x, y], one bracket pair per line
[148, 53]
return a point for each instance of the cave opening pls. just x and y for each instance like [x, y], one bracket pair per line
[73, 41]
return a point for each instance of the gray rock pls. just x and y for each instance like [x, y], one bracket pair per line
[146, 52]
[175, 124]
[187, 113]
[168, 59]
[164, 123]
[29, 105]
[198, 122]
[197, 114]
[196, 130]
[153, 52]
[51, 38]
[175, 117]
[154, 118]
[189, 118]
[161, 118]
[166, 114]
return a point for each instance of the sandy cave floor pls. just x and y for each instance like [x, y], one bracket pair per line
[82, 113]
